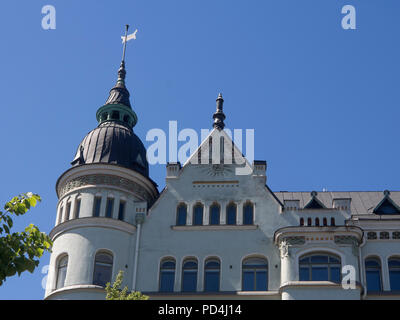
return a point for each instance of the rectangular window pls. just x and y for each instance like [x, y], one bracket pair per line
[248, 281]
[304, 274]
[67, 211]
[167, 281]
[121, 212]
[77, 208]
[60, 215]
[189, 282]
[261, 281]
[373, 280]
[96, 207]
[109, 207]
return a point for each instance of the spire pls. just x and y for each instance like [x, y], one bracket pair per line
[219, 115]
[118, 106]
[119, 94]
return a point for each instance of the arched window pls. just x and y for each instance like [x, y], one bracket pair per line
[198, 214]
[394, 273]
[248, 214]
[325, 222]
[231, 214]
[214, 214]
[320, 267]
[167, 275]
[255, 274]
[181, 214]
[373, 274]
[309, 223]
[332, 221]
[302, 221]
[103, 265]
[189, 275]
[62, 266]
[211, 275]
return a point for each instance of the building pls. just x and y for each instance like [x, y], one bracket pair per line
[211, 233]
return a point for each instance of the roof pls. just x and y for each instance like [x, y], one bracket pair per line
[362, 202]
[114, 143]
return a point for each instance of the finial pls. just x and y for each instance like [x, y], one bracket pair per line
[219, 115]
[386, 193]
[314, 194]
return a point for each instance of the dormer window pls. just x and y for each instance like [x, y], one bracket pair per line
[387, 205]
[314, 203]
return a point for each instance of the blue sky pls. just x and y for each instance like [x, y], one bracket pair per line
[323, 101]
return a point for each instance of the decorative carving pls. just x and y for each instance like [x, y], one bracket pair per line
[287, 242]
[295, 241]
[351, 240]
[105, 180]
[284, 249]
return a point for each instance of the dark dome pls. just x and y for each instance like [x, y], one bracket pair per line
[114, 143]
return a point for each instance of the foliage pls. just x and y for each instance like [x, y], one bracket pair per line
[19, 251]
[115, 292]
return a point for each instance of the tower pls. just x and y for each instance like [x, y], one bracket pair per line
[103, 200]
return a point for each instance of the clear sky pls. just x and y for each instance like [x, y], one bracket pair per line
[324, 102]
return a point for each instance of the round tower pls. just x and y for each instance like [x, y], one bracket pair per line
[103, 199]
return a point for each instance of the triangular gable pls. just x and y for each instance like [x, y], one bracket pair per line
[314, 203]
[387, 206]
[201, 155]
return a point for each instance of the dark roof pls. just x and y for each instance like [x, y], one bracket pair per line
[362, 202]
[114, 143]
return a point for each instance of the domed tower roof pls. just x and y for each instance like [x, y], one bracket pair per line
[113, 141]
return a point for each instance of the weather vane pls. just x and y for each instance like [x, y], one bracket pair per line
[126, 38]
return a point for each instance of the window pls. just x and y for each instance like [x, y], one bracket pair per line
[309, 223]
[67, 211]
[198, 215]
[109, 207]
[371, 236]
[121, 211]
[96, 206]
[115, 115]
[317, 222]
[248, 216]
[189, 276]
[325, 222]
[255, 274]
[384, 235]
[77, 208]
[320, 267]
[394, 274]
[60, 214]
[61, 271]
[211, 275]
[332, 221]
[214, 214]
[301, 221]
[102, 268]
[167, 275]
[181, 215]
[231, 214]
[373, 275]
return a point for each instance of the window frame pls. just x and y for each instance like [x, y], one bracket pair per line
[110, 265]
[329, 265]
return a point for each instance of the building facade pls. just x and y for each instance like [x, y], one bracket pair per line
[211, 233]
